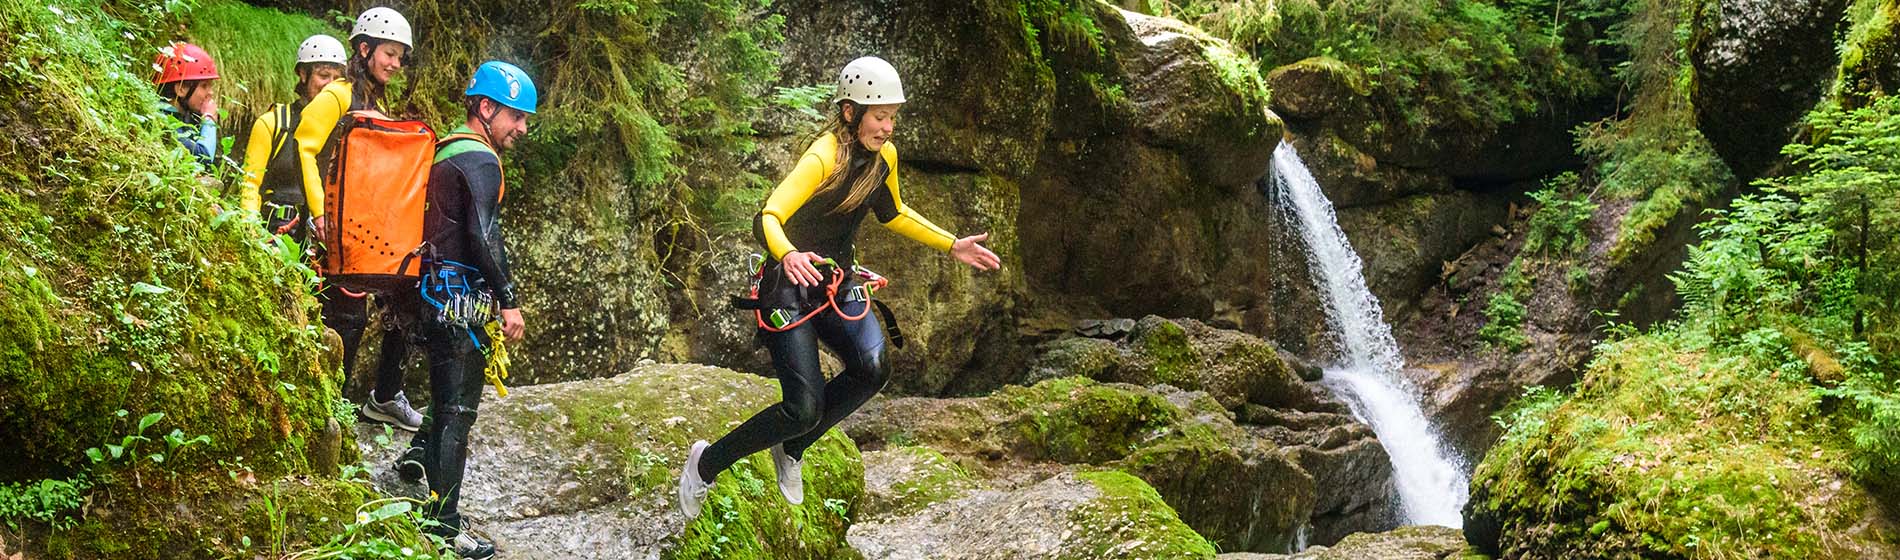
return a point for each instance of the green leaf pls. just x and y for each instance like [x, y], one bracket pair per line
[144, 288]
[96, 455]
[116, 450]
[156, 457]
[149, 419]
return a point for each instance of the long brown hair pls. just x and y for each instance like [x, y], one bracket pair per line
[846, 131]
[365, 91]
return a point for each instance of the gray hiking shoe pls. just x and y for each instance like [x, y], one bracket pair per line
[791, 476]
[396, 412]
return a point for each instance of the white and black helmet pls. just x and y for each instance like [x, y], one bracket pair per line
[869, 81]
[383, 23]
[322, 48]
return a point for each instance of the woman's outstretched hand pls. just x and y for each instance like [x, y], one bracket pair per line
[798, 268]
[970, 251]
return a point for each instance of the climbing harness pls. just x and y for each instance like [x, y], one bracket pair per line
[779, 320]
[455, 291]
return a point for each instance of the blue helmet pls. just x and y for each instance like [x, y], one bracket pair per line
[505, 83]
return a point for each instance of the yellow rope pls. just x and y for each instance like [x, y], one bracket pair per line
[497, 369]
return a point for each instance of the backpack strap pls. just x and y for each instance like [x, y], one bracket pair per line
[280, 114]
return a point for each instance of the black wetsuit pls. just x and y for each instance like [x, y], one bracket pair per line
[463, 225]
[810, 405]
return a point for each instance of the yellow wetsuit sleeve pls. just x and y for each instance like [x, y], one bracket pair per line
[319, 120]
[908, 222]
[256, 158]
[787, 197]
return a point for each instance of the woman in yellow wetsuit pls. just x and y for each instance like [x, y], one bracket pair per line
[809, 221]
[273, 179]
[379, 42]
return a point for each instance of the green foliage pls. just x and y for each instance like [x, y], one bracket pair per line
[1557, 229]
[118, 281]
[256, 51]
[1654, 153]
[1528, 414]
[1504, 311]
[47, 501]
[807, 100]
[378, 531]
[1432, 63]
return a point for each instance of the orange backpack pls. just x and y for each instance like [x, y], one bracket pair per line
[375, 196]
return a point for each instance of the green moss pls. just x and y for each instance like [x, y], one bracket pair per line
[1168, 349]
[745, 517]
[1076, 420]
[1674, 446]
[1869, 53]
[936, 479]
[1131, 520]
[256, 51]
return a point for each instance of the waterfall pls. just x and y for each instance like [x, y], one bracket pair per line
[1431, 482]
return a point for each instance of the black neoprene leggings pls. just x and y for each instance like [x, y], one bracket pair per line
[350, 317]
[810, 405]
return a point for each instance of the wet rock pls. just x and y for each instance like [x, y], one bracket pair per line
[1759, 66]
[1423, 542]
[1104, 328]
[1071, 515]
[1234, 367]
[588, 469]
[1174, 440]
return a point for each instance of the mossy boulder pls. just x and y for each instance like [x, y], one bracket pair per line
[1422, 542]
[1089, 514]
[131, 286]
[900, 481]
[1870, 57]
[1175, 441]
[589, 468]
[1672, 447]
[1234, 368]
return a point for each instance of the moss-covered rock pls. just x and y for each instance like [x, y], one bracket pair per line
[1425, 542]
[589, 468]
[1091, 514]
[1234, 368]
[1870, 57]
[1174, 441]
[902, 480]
[1671, 447]
[130, 286]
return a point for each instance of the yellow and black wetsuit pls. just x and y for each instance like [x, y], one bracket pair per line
[316, 132]
[273, 176]
[799, 218]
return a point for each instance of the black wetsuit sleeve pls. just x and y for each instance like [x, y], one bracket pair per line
[483, 227]
[883, 204]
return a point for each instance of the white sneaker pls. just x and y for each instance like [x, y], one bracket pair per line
[396, 412]
[791, 475]
[692, 489]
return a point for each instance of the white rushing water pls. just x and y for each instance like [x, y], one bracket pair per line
[1431, 482]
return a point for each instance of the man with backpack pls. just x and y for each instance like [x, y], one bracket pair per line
[465, 277]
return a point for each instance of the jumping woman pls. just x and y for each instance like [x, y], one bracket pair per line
[807, 290]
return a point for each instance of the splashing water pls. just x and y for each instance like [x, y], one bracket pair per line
[1432, 484]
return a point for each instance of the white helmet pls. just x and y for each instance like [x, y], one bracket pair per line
[322, 48]
[382, 23]
[869, 81]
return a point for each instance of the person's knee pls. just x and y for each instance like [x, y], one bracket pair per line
[871, 367]
[803, 411]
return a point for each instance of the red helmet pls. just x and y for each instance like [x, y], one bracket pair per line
[183, 61]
